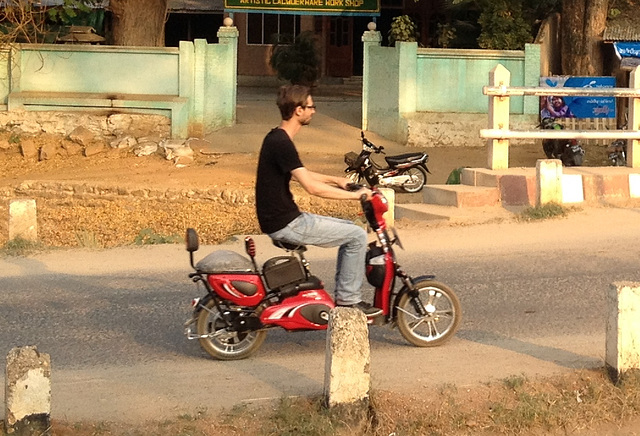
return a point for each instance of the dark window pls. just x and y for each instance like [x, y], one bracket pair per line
[265, 28]
[187, 27]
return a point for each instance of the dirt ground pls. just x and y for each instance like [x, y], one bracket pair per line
[228, 164]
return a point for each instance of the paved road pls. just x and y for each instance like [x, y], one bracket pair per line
[533, 298]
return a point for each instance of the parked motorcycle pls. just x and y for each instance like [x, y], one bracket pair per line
[405, 171]
[570, 152]
[242, 302]
[618, 152]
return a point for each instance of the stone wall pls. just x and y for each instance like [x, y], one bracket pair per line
[100, 123]
[86, 191]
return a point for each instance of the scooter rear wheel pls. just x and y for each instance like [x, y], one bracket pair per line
[431, 318]
[223, 342]
[417, 179]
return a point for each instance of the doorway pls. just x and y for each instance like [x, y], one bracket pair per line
[339, 61]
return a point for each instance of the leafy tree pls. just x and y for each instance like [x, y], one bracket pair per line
[29, 21]
[503, 26]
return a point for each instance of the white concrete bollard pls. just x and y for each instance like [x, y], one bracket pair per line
[623, 328]
[23, 221]
[548, 181]
[347, 361]
[390, 195]
[28, 392]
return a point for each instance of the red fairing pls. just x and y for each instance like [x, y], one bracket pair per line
[382, 299]
[380, 206]
[309, 310]
[244, 290]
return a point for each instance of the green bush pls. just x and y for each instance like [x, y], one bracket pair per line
[403, 29]
[296, 59]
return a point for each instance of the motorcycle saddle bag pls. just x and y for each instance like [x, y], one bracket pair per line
[283, 270]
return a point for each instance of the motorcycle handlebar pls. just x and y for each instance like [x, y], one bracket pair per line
[371, 145]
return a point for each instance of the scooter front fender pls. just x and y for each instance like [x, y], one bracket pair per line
[405, 290]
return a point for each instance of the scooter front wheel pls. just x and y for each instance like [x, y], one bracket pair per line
[354, 177]
[432, 317]
[222, 342]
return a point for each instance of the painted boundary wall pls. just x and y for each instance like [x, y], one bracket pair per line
[402, 82]
[195, 85]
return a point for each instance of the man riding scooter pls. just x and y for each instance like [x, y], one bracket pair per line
[279, 215]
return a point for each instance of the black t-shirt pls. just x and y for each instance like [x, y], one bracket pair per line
[274, 202]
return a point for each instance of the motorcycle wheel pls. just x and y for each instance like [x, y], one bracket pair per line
[354, 177]
[443, 314]
[221, 342]
[418, 178]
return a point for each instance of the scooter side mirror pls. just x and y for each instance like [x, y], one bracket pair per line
[191, 240]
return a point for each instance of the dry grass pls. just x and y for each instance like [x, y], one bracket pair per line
[111, 223]
[582, 403]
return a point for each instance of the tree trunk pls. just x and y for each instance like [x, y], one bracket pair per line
[583, 23]
[138, 22]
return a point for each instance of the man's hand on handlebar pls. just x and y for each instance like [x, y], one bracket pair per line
[363, 192]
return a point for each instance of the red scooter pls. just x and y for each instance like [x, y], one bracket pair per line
[242, 301]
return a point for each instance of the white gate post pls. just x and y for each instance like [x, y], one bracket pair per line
[633, 147]
[499, 119]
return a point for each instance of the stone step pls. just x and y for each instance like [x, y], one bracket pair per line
[461, 195]
[451, 214]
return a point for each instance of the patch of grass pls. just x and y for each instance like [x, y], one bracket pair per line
[150, 237]
[14, 139]
[87, 239]
[547, 211]
[565, 404]
[21, 247]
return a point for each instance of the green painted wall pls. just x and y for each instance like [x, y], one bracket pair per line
[405, 80]
[197, 80]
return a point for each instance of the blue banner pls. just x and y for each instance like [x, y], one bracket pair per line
[627, 49]
[577, 107]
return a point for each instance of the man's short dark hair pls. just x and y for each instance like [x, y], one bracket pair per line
[290, 97]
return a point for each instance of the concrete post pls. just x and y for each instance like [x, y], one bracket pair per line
[23, 221]
[390, 195]
[499, 119]
[370, 38]
[633, 146]
[28, 392]
[347, 359]
[228, 35]
[623, 328]
[548, 181]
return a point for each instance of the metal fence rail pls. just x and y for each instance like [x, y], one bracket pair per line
[499, 132]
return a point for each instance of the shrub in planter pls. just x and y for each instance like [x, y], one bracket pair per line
[296, 59]
[403, 29]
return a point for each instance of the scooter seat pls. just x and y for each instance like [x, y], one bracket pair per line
[404, 158]
[288, 246]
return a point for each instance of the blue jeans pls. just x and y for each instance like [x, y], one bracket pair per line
[323, 231]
